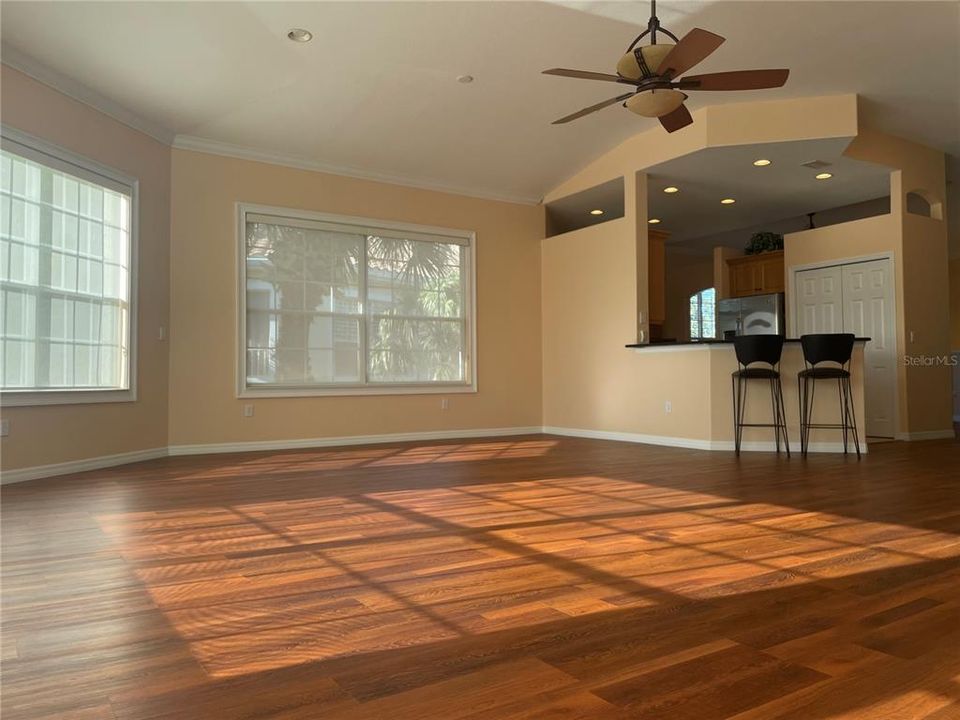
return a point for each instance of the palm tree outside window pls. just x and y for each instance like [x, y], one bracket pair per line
[341, 303]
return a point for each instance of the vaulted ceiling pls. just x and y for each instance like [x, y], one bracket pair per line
[376, 93]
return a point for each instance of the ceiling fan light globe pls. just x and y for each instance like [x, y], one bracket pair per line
[653, 55]
[655, 103]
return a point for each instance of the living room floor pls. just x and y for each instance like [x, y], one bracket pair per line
[520, 577]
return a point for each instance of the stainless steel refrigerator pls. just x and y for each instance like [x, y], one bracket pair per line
[754, 315]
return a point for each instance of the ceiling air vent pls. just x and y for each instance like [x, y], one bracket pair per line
[816, 164]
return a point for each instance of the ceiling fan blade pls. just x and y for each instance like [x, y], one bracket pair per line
[592, 108]
[584, 75]
[736, 80]
[677, 119]
[692, 49]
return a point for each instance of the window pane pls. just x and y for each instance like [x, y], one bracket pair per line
[708, 312]
[64, 279]
[405, 350]
[303, 305]
[414, 278]
[694, 316]
[318, 298]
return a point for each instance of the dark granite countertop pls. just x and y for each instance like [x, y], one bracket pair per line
[679, 343]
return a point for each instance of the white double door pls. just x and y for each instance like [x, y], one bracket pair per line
[857, 298]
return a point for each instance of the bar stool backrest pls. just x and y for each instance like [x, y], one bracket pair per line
[758, 348]
[827, 347]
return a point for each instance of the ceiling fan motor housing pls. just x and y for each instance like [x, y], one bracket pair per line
[652, 56]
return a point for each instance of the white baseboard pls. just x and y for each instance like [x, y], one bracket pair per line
[97, 463]
[689, 443]
[75, 466]
[695, 444]
[928, 435]
[259, 445]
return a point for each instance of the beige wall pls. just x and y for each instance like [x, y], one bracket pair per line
[203, 404]
[54, 434]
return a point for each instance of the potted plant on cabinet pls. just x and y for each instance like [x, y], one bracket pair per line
[762, 242]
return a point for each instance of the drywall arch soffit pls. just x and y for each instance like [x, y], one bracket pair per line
[751, 123]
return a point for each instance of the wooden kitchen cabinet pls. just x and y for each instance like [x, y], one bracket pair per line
[756, 274]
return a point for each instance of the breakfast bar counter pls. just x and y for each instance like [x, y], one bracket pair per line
[688, 397]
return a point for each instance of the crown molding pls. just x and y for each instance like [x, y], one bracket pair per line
[81, 93]
[56, 80]
[241, 152]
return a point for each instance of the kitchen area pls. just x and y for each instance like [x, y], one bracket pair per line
[717, 270]
[670, 250]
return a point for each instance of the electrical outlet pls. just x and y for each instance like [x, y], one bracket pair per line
[668, 406]
[248, 410]
[4, 427]
[162, 333]
[444, 403]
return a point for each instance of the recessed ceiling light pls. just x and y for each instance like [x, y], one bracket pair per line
[670, 190]
[300, 35]
[727, 201]
[596, 212]
[464, 79]
[823, 176]
[653, 221]
[762, 162]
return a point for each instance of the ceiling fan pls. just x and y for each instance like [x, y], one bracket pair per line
[653, 71]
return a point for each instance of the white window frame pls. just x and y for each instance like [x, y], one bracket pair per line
[368, 226]
[53, 156]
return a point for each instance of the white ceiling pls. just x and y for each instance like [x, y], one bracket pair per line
[784, 189]
[375, 92]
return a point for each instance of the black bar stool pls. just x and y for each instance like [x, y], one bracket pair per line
[765, 349]
[834, 348]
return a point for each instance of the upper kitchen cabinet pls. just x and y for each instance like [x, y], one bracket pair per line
[756, 274]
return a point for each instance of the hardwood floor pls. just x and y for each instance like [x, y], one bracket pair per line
[530, 577]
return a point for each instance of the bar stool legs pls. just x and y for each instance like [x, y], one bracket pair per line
[779, 425]
[848, 424]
